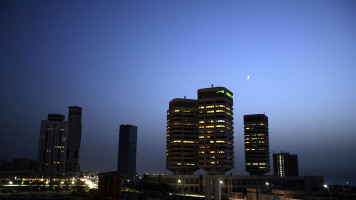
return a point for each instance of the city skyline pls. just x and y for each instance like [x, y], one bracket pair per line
[122, 62]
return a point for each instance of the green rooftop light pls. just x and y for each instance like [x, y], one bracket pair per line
[228, 94]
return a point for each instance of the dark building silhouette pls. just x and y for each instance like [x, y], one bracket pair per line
[215, 130]
[285, 164]
[182, 135]
[256, 144]
[74, 138]
[126, 164]
[52, 144]
[18, 165]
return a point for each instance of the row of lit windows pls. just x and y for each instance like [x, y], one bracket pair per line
[216, 126]
[256, 163]
[185, 141]
[212, 106]
[260, 142]
[190, 164]
[184, 124]
[212, 121]
[212, 152]
[261, 149]
[261, 124]
[182, 111]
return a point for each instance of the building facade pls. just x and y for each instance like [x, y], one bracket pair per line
[74, 138]
[285, 164]
[257, 160]
[52, 144]
[200, 133]
[126, 164]
[215, 130]
[182, 125]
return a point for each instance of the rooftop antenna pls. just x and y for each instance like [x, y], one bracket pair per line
[212, 85]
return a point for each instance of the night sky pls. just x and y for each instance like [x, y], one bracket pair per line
[123, 61]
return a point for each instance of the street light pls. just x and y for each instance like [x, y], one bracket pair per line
[326, 186]
[179, 181]
[267, 183]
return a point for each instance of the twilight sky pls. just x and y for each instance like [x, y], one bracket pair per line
[123, 61]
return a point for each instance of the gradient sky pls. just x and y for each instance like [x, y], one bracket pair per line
[123, 61]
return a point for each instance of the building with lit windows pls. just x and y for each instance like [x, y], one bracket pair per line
[126, 164]
[51, 155]
[74, 138]
[285, 164]
[215, 130]
[182, 125]
[256, 144]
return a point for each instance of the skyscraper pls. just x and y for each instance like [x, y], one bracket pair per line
[215, 130]
[126, 164]
[52, 144]
[74, 138]
[285, 164]
[182, 125]
[256, 144]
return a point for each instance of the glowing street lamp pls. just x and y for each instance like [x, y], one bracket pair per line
[326, 186]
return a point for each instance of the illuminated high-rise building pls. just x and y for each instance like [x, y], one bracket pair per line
[215, 130]
[182, 125]
[74, 138]
[256, 144]
[285, 164]
[126, 164]
[52, 144]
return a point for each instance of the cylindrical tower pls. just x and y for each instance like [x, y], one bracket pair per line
[182, 136]
[215, 130]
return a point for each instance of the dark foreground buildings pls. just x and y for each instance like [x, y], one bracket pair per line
[126, 164]
[52, 145]
[59, 144]
[200, 133]
[74, 138]
[256, 144]
[285, 164]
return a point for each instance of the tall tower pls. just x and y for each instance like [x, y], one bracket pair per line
[74, 137]
[256, 144]
[182, 125]
[126, 164]
[215, 131]
[52, 145]
[285, 164]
